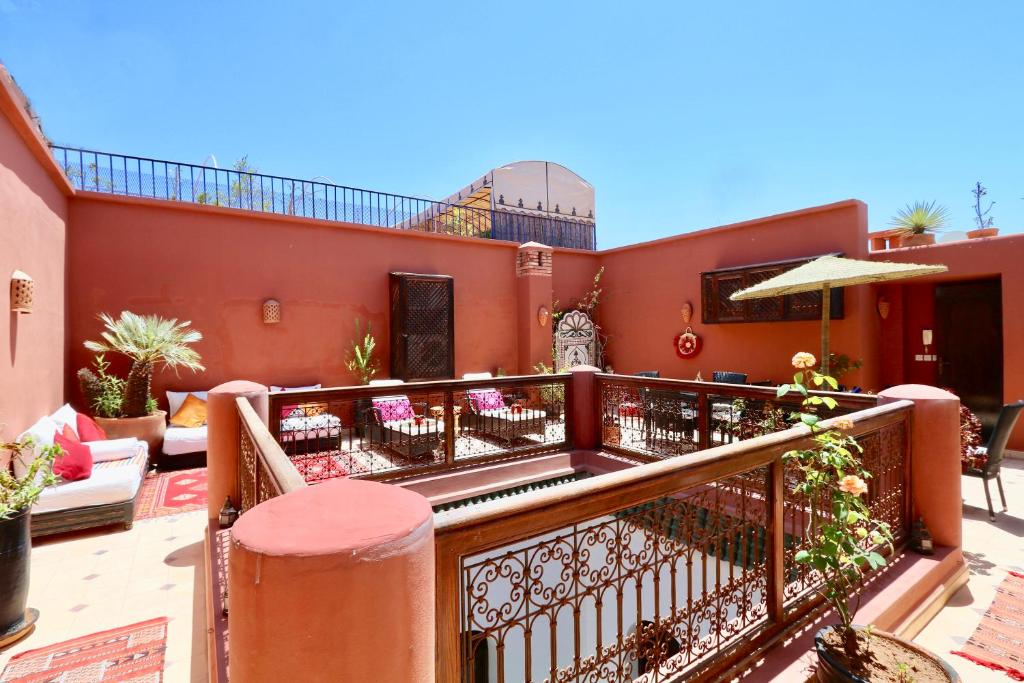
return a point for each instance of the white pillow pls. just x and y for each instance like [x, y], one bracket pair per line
[176, 398]
[43, 432]
[113, 449]
[66, 415]
[385, 382]
[311, 387]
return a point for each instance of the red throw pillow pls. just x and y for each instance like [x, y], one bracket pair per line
[76, 463]
[88, 430]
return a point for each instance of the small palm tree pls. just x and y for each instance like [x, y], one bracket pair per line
[919, 218]
[148, 340]
[361, 362]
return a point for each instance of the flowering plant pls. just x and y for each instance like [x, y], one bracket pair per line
[841, 540]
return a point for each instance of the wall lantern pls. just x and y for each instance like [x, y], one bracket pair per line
[23, 289]
[543, 315]
[687, 312]
[883, 307]
[271, 311]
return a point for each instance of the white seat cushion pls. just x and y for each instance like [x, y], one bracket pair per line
[410, 428]
[507, 414]
[115, 449]
[182, 440]
[300, 428]
[111, 482]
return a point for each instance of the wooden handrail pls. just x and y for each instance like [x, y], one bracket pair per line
[733, 391]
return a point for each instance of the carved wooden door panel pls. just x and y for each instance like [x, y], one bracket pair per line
[422, 327]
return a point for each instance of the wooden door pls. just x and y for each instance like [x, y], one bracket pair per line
[969, 343]
[422, 327]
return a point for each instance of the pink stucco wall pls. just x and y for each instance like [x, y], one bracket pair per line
[33, 219]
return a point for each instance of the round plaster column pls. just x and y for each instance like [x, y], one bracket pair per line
[934, 458]
[222, 427]
[334, 582]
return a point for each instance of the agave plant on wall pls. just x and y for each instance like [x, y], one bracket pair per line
[917, 223]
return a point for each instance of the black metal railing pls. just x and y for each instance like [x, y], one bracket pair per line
[239, 189]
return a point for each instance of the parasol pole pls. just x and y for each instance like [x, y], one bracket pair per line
[826, 319]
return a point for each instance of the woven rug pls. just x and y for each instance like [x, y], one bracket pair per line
[171, 493]
[998, 642]
[132, 653]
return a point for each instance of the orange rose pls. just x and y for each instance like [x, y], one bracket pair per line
[851, 483]
[804, 360]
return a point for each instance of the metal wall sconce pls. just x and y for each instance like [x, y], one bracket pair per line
[23, 289]
[271, 311]
[883, 307]
[543, 315]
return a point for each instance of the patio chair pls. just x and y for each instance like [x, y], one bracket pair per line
[653, 374]
[994, 451]
[395, 424]
[727, 377]
[490, 414]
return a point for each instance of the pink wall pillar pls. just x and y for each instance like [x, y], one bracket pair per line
[334, 582]
[583, 393]
[934, 458]
[534, 291]
[222, 438]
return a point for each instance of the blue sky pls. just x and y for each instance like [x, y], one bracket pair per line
[683, 115]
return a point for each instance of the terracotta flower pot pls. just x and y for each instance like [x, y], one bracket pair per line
[150, 428]
[919, 239]
[832, 670]
[982, 232]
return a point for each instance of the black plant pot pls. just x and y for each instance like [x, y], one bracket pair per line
[15, 551]
[830, 670]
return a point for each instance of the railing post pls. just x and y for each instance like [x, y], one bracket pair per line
[581, 414]
[449, 427]
[223, 440]
[935, 478]
[704, 419]
[775, 559]
[448, 603]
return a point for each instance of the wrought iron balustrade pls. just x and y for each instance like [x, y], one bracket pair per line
[660, 418]
[385, 432]
[134, 176]
[678, 570]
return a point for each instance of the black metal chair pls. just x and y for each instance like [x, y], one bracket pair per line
[652, 374]
[726, 377]
[995, 449]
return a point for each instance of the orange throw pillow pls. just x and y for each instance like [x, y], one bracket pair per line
[192, 412]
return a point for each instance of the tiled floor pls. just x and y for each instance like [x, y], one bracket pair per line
[92, 581]
[990, 548]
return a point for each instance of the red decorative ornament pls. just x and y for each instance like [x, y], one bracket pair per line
[687, 344]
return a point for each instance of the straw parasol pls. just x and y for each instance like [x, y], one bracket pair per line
[826, 272]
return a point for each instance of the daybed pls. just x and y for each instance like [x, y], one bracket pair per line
[107, 496]
[395, 425]
[490, 415]
[183, 446]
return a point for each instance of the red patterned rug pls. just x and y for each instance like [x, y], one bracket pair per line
[316, 467]
[998, 642]
[132, 653]
[170, 493]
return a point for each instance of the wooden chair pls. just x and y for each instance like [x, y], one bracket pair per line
[995, 450]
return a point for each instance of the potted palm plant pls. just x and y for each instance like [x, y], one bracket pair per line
[842, 541]
[149, 342]
[917, 223]
[17, 494]
[982, 220]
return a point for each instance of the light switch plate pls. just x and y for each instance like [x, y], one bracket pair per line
[919, 357]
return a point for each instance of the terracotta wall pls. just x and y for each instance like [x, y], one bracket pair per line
[216, 267]
[967, 260]
[33, 216]
[646, 285]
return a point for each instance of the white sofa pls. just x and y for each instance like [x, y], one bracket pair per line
[107, 496]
